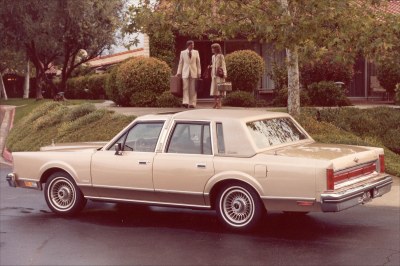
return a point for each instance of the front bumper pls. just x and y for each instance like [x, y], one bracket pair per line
[13, 181]
[338, 201]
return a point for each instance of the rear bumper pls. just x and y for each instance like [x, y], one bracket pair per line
[338, 201]
[13, 181]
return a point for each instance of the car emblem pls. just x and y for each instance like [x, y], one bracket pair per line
[356, 160]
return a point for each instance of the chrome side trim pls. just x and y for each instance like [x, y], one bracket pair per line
[286, 198]
[178, 192]
[28, 180]
[149, 202]
[124, 188]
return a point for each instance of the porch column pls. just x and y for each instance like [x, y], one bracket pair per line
[146, 45]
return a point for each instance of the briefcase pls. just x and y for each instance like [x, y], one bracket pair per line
[175, 86]
[199, 85]
[224, 86]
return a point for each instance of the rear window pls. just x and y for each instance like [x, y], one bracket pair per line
[275, 131]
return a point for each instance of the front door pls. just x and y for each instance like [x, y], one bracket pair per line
[183, 169]
[128, 175]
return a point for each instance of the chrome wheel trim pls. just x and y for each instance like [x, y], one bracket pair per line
[62, 194]
[237, 206]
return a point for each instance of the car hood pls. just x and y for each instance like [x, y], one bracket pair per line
[75, 146]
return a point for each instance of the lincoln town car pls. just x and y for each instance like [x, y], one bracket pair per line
[239, 163]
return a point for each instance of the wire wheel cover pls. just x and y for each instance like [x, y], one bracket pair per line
[62, 194]
[237, 206]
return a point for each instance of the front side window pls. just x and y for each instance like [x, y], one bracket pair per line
[142, 137]
[275, 131]
[190, 139]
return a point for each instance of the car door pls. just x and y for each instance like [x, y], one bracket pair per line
[182, 170]
[128, 174]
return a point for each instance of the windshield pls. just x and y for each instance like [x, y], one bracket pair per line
[275, 131]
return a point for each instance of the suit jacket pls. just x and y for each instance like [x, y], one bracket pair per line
[189, 65]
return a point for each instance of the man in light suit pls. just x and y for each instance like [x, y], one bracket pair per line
[190, 69]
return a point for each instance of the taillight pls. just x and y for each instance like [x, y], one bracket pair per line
[330, 182]
[382, 163]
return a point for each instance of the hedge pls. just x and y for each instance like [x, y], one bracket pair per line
[87, 87]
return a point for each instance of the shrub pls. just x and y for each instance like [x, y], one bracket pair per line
[388, 73]
[141, 75]
[71, 126]
[327, 93]
[382, 123]
[78, 111]
[96, 86]
[143, 99]
[51, 118]
[240, 99]
[112, 87]
[245, 68]
[166, 99]
[77, 88]
[40, 111]
[279, 76]
[281, 97]
[86, 87]
[326, 69]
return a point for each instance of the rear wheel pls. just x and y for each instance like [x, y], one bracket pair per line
[62, 194]
[239, 207]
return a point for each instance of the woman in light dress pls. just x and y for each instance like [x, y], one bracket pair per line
[218, 61]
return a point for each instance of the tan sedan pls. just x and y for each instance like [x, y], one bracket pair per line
[239, 163]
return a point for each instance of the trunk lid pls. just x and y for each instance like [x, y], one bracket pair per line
[342, 156]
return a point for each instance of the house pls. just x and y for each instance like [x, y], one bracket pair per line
[365, 85]
[101, 63]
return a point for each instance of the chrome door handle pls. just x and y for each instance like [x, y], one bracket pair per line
[201, 165]
[144, 162]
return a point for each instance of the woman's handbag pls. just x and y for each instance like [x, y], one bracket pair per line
[220, 72]
[224, 86]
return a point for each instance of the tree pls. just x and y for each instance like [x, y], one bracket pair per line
[60, 31]
[299, 26]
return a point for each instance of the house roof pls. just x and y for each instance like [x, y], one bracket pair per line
[115, 58]
[393, 7]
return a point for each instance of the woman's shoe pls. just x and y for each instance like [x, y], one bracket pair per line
[215, 105]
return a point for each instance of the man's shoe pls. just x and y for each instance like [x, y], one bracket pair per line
[185, 106]
[191, 106]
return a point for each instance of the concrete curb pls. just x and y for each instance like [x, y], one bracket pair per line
[5, 127]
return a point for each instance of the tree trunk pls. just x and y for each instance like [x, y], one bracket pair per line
[3, 92]
[293, 72]
[39, 85]
[293, 82]
[26, 83]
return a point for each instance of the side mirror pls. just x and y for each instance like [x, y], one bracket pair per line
[118, 149]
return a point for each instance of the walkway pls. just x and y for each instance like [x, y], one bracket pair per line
[139, 111]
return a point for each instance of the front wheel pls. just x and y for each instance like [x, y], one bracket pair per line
[62, 195]
[239, 207]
